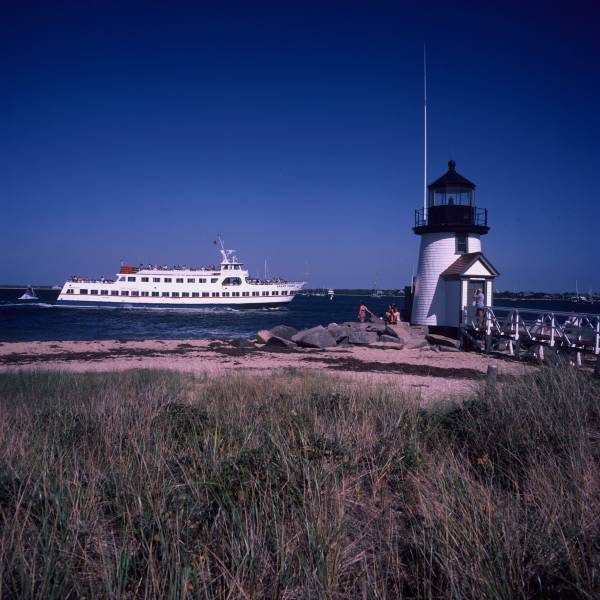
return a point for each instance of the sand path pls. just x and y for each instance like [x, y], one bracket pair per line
[430, 373]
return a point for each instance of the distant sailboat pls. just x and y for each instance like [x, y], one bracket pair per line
[28, 295]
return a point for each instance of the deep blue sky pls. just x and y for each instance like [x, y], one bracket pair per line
[141, 130]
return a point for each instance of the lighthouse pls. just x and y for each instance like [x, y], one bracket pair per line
[451, 263]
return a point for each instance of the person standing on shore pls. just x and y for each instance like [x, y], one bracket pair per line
[362, 312]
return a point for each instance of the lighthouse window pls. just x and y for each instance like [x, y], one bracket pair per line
[461, 243]
[145, 279]
[131, 279]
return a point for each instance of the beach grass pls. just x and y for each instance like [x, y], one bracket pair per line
[164, 485]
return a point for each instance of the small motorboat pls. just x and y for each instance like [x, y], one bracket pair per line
[330, 293]
[28, 295]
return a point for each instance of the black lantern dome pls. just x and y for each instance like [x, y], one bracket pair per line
[451, 206]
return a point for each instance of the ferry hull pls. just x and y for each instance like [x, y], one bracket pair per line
[128, 305]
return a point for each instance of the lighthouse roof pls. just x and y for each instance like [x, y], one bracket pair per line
[451, 179]
[464, 266]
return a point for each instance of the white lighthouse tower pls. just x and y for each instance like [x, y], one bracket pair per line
[451, 264]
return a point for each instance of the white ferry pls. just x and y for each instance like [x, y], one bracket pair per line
[228, 285]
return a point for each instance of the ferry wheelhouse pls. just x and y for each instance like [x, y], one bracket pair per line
[228, 284]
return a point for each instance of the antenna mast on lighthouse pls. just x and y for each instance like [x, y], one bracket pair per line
[425, 132]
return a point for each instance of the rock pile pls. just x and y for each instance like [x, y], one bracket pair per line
[398, 336]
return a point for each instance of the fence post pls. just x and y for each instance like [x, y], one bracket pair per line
[490, 382]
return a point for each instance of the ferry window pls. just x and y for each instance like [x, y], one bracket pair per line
[165, 294]
[232, 281]
[461, 243]
[144, 294]
[145, 279]
[69, 291]
[168, 280]
[114, 292]
[245, 293]
[94, 292]
[255, 293]
[214, 280]
[179, 280]
[191, 280]
[235, 293]
[201, 280]
[195, 295]
[265, 293]
[205, 294]
[135, 293]
[155, 294]
[215, 294]
[156, 279]
[185, 295]
[124, 293]
[275, 294]
[84, 292]
[121, 278]
[104, 292]
[284, 293]
[174, 294]
[237, 267]
[131, 279]
[225, 294]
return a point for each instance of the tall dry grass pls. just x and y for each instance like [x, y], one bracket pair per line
[155, 484]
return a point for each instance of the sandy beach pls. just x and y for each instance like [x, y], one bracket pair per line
[425, 371]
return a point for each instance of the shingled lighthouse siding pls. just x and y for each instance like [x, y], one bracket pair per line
[450, 229]
[437, 253]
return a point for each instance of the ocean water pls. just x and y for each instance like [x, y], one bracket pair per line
[20, 321]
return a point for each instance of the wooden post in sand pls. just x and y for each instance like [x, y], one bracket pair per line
[490, 383]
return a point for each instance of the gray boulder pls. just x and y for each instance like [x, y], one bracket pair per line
[391, 339]
[448, 349]
[339, 332]
[283, 331]
[316, 337]
[279, 342]
[361, 338]
[442, 340]
[263, 336]
[378, 326]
